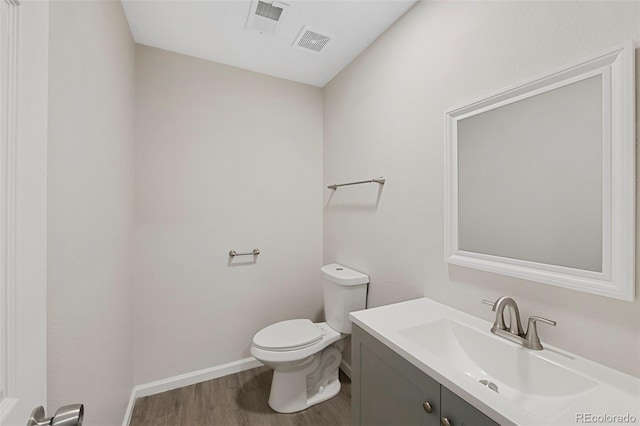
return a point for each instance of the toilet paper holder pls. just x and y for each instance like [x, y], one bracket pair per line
[254, 252]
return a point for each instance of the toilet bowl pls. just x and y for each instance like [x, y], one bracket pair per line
[305, 356]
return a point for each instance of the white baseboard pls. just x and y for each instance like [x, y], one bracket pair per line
[187, 379]
[129, 412]
[197, 376]
[346, 368]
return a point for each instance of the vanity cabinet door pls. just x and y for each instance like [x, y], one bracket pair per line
[458, 412]
[387, 390]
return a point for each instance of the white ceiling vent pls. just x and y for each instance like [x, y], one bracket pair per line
[265, 16]
[312, 40]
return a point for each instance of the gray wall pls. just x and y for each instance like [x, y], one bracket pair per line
[225, 159]
[90, 209]
[384, 115]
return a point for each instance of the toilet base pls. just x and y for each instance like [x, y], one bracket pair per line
[294, 405]
[300, 385]
[329, 391]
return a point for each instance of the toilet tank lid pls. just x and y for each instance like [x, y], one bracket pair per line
[342, 275]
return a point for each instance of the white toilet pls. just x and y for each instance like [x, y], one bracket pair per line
[305, 356]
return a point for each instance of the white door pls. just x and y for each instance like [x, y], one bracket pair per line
[24, 32]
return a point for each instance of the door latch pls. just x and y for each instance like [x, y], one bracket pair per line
[69, 415]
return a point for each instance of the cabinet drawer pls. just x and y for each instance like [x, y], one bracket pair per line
[460, 413]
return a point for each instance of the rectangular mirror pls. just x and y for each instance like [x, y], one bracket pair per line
[540, 179]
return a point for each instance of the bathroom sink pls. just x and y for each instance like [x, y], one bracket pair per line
[519, 386]
[536, 384]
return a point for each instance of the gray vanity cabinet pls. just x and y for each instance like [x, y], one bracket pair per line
[459, 412]
[387, 390]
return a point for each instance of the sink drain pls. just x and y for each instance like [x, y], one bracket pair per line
[490, 385]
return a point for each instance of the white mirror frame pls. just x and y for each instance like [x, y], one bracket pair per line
[617, 280]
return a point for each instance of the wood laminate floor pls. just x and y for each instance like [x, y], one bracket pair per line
[239, 399]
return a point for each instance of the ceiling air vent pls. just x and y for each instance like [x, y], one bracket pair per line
[311, 40]
[264, 16]
[269, 11]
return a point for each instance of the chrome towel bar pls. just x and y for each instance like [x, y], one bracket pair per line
[254, 252]
[379, 180]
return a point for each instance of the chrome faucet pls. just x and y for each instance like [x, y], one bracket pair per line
[514, 331]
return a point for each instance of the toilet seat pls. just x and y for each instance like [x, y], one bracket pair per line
[327, 337]
[288, 335]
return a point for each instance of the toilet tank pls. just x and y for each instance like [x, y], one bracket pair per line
[344, 290]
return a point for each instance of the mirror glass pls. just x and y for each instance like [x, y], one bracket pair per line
[530, 178]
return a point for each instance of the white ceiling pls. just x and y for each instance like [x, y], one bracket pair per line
[216, 30]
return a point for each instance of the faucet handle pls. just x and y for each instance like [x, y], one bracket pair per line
[534, 319]
[533, 341]
[489, 302]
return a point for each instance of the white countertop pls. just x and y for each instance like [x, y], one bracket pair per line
[614, 393]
